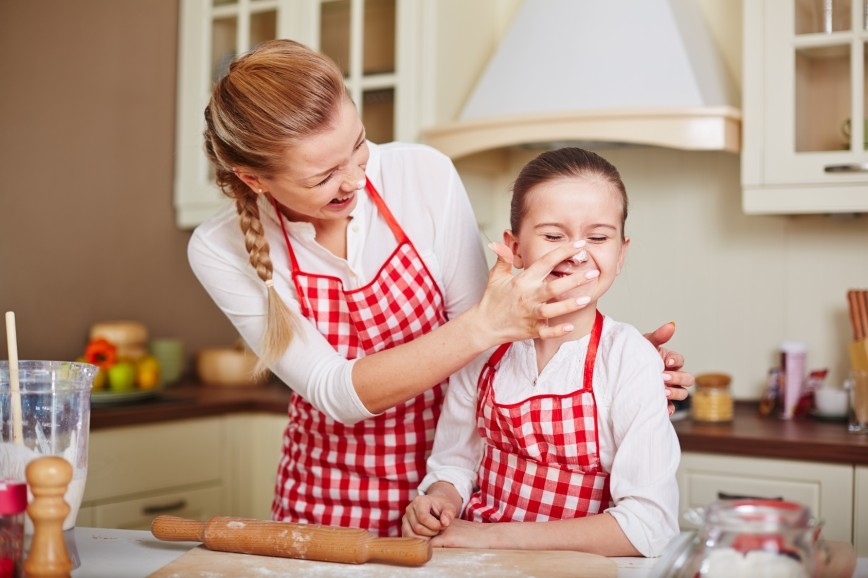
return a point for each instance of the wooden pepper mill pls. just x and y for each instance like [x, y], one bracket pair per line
[48, 477]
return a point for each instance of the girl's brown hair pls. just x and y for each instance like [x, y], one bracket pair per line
[269, 99]
[557, 164]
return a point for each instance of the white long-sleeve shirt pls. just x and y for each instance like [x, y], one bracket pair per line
[638, 445]
[422, 190]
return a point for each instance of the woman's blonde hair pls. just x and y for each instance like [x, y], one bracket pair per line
[269, 99]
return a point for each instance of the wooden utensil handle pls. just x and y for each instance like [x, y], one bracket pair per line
[290, 540]
[401, 551]
[175, 529]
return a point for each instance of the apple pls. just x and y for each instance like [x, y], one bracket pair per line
[122, 376]
[99, 380]
[147, 372]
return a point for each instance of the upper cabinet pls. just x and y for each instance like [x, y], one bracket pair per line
[360, 35]
[805, 72]
[407, 64]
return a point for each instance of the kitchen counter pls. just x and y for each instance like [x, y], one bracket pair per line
[770, 437]
[136, 553]
[105, 553]
[748, 434]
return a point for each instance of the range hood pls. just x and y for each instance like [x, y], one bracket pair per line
[600, 71]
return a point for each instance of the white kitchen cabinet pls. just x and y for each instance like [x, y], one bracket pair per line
[254, 443]
[805, 75]
[408, 64]
[827, 489]
[136, 473]
[860, 512]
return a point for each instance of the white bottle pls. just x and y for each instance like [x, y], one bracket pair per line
[793, 362]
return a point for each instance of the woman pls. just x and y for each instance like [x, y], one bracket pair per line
[357, 276]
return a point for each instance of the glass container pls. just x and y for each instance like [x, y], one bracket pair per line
[48, 415]
[746, 538]
[712, 400]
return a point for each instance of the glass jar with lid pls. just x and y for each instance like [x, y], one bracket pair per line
[712, 400]
[747, 537]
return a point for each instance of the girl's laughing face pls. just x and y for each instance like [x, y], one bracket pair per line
[570, 209]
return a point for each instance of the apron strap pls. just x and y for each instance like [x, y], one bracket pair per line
[591, 356]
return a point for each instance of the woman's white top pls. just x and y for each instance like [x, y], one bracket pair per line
[425, 194]
[638, 445]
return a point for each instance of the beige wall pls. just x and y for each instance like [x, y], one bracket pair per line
[87, 232]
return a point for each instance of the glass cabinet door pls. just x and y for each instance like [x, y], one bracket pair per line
[819, 87]
[359, 35]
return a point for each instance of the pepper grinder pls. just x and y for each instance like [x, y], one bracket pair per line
[48, 557]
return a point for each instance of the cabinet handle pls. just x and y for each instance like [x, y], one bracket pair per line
[171, 507]
[725, 496]
[850, 168]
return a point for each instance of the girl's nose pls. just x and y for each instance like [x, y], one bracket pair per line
[354, 181]
[580, 257]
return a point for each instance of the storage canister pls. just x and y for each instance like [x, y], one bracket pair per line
[13, 503]
[712, 400]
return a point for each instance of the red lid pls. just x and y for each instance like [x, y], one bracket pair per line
[13, 497]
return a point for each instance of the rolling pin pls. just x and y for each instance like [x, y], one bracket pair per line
[291, 540]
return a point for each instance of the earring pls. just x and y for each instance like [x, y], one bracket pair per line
[260, 191]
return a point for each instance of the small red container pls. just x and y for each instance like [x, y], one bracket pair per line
[13, 503]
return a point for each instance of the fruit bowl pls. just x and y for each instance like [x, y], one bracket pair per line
[227, 367]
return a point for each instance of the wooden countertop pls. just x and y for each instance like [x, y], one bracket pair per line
[190, 400]
[747, 435]
[769, 437]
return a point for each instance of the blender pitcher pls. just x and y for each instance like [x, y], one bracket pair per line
[48, 416]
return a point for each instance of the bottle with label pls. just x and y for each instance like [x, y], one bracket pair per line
[793, 362]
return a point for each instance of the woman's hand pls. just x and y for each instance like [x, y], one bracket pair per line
[674, 379]
[519, 306]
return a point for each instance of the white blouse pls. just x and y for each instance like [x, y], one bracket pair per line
[638, 445]
[422, 190]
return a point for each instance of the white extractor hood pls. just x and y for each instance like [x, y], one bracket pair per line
[600, 71]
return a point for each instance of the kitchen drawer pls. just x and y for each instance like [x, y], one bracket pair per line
[141, 459]
[827, 489]
[137, 514]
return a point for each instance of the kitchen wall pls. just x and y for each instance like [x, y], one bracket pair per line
[736, 285]
[87, 232]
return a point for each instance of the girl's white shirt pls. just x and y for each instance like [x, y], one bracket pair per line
[638, 445]
[426, 196]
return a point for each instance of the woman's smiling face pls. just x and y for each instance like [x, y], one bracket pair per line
[324, 171]
[569, 209]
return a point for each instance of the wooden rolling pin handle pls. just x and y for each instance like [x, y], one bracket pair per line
[291, 540]
[175, 529]
[400, 551]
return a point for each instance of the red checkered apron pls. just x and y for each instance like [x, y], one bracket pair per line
[363, 475]
[541, 460]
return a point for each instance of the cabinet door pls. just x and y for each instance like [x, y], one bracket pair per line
[142, 459]
[860, 512]
[827, 489]
[360, 35]
[138, 513]
[805, 79]
[254, 445]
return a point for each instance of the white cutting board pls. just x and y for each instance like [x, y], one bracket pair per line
[446, 563]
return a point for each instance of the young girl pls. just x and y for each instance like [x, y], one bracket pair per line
[562, 441]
